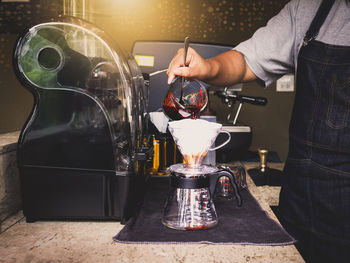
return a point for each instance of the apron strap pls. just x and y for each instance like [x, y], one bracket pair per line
[318, 20]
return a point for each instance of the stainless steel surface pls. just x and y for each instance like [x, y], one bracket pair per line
[237, 113]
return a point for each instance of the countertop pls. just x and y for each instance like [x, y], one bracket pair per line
[59, 241]
[8, 141]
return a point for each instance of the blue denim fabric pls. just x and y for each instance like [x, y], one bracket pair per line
[315, 195]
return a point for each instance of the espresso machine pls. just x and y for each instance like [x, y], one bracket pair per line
[153, 58]
[82, 151]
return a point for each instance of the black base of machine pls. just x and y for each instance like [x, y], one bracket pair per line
[271, 177]
[237, 148]
[64, 194]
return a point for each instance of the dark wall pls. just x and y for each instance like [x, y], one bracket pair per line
[209, 21]
[15, 101]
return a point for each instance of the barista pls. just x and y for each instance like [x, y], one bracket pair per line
[311, 39]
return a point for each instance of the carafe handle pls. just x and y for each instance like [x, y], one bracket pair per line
[214, 178]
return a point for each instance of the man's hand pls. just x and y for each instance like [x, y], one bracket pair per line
[196, 67]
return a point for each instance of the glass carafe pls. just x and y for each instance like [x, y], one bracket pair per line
[189, 205]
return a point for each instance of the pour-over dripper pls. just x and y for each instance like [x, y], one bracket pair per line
[195, 137]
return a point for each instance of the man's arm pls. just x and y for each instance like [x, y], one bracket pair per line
[225, 69]
[229, 68]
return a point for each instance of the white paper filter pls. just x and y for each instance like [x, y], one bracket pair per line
[194, 138]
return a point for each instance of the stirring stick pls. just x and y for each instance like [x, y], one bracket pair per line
[187, 43]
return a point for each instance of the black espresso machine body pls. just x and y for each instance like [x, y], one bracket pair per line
[82, 151]
[153, 58]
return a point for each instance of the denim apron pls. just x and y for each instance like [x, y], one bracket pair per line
[315, 196]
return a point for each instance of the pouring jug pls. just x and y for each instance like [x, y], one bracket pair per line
[184, 101]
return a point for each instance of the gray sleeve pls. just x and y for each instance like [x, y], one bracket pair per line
[269, 53]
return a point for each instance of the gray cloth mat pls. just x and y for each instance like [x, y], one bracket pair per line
[248, 224]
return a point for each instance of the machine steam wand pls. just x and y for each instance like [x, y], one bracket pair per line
[230, 96]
